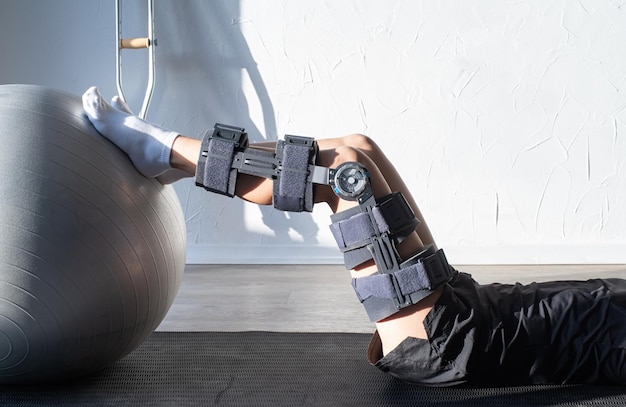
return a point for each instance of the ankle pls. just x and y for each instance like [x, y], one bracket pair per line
[184, 154]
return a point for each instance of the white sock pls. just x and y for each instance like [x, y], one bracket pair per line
[170, 175]
[119, 104]
[147, 145]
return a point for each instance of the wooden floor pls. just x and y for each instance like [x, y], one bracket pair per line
[310, 298]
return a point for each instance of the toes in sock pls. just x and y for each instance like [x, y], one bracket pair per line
[170, 175]
[148, 146]
[119, 104]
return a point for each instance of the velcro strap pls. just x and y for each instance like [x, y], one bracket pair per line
[218, 175]
[215, 172]
[293, 190]
[354, 229]
[354, 232]
[385, 294]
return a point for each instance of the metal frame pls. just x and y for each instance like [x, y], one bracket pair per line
[150, 44]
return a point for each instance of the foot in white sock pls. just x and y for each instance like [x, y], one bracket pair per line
[170, 175]
[119, 104]
[148, 146]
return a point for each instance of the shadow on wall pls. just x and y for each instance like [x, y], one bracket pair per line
[202, 59]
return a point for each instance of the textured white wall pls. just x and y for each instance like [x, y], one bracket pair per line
[506, 119]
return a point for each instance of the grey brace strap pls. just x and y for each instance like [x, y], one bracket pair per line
[384, 294]
[225, 152]
[354, 228]
[372, 231]
[215, 170]
[293, 188]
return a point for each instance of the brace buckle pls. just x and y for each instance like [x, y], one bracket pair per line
[233, 134]
[300, 140]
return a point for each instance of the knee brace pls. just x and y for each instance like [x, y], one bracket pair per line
[225, 152]
[371, 231]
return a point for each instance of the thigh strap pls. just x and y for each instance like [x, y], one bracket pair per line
[384, 294]
[355, 229]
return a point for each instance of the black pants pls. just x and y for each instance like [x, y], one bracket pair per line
[497, 334]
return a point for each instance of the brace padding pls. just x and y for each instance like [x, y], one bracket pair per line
[354, 228]
[293, 188]
[383, 294]
[214, 171]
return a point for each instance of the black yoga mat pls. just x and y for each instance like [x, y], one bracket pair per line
[275, 369]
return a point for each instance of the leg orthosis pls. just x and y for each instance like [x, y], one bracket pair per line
[369, 231]
[225, 152]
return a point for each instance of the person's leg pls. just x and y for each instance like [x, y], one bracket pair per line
[387, 169]
[392, 330]
[145, 145]
[154, 151]
[408, 321]
[142, 141]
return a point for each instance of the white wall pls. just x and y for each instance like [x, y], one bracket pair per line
[506, 119]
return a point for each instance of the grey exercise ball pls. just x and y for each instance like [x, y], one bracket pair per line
[91, 252]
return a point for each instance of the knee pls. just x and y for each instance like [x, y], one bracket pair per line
[361, 142]
[344, 154]
[333, 158]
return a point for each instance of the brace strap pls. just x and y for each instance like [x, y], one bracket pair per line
[355, 229]
[225, 152]
[385, 294]
[293, 188]
[214, 171]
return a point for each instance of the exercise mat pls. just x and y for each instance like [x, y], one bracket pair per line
[275, 369]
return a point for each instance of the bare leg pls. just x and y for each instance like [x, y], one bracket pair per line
[151, 150]
[388, 171]
[409, 321]
[155, 152]
[185, 153]
[393, 330]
